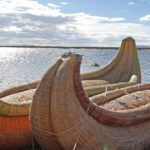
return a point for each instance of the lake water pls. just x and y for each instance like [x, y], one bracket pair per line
[22, 65]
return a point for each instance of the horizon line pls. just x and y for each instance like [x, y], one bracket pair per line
[74, 47]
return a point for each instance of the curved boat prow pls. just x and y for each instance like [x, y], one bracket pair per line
[41, 108]
[121, 68]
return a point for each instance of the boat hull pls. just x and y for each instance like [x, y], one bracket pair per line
[15, 132]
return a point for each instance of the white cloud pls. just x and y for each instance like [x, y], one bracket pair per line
[115, 19]
[21, 23]
[27, 7]
[64, 3]
[86, 18]
[131, 3]
[11, 29]
[52, 5]
[145, 18]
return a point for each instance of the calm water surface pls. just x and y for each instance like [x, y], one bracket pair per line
[22, 65]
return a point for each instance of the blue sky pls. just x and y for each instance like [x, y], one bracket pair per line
[74, 22]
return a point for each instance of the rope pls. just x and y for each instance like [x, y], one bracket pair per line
[139, 85]
[81, 129]
[38, 134]
[59, 134]
[106, 89]
[33, 145]
[125, 92]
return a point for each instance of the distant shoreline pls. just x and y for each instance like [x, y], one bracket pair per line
[74, 47]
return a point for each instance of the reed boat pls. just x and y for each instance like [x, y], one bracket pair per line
[15, 130]
[121, 67]
[61, 111]
[73, 121]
